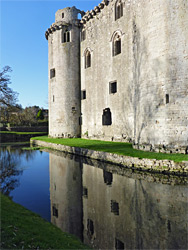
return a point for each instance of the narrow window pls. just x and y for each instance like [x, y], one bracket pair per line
[53, 98]
[106, 117]
[90, 227]
[87, 59]
[55, 211]
[52, 73]
[108, 177]
[80, 119]
[112, 87]
[119, 244]
[167, 98]
[62, 15]
[118, 9]
[83, 35]
[83, 94]
[116, 46]
[66, 36]
[115, 207]
[85, 192]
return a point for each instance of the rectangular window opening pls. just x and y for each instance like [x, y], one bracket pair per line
[106, 117]
[112, 87]
[167, 98]
[55, 211]
[83, 94]
[62, 15]
[114, 207]
[119, 244]
[85, 192]
[83, 35]
[52, 73]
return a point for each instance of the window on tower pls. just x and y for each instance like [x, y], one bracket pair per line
[112, 87]
[167, 98]
[87, 59]
[52, 73]
[83, 94]
[66, 36]
[83, 35]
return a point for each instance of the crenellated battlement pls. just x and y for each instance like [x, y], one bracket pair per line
[64, 18]
[59, 26]
[90, 14]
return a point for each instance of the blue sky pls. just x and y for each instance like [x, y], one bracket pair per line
[24, 48]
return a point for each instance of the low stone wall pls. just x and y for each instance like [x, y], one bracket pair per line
[170, 149]
[150, 165]
[4, 137]
[28, 129]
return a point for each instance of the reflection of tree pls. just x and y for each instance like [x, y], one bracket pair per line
[9, 167]
[9, 172]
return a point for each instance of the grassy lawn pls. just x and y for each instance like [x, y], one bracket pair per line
[23, 229]
[120, 148]
[22, 133]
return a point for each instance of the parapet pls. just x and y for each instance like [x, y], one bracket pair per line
[90, 14]
[65, 17]
[69, 14]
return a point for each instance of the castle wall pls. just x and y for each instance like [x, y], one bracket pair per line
[104, 69]
[160, 59]
[150, 106]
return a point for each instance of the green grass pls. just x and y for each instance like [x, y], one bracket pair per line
[22, 133]
[120, 148]
[23, 229]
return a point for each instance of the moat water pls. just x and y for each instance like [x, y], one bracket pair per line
[106, 206]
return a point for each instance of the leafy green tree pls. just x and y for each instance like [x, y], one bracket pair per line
[40, 115]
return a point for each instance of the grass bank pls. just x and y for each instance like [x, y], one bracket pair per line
[120, 148]
[23, 229]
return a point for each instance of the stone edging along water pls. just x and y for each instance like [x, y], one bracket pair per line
[151, 165]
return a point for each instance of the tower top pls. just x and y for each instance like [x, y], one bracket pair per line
[68, 14]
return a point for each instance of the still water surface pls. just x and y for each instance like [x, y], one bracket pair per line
[106, 206]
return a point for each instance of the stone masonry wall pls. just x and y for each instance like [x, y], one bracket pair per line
[150, 106]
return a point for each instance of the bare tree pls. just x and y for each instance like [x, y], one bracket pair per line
[8, 97]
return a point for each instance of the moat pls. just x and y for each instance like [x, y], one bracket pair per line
[106, 206]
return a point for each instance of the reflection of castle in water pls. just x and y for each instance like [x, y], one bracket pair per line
[66, 194]
[111, 211]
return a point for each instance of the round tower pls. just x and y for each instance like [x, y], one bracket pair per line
[64, 73]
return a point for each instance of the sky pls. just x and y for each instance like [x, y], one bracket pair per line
[24, 48]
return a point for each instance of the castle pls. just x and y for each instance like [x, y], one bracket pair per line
[121, 73]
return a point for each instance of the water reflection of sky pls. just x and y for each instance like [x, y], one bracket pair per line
[28, 181]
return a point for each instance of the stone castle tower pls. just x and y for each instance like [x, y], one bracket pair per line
[64, 74]
[120, 73]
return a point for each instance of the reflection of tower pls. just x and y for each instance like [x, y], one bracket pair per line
[64, 74]
[66, 194]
